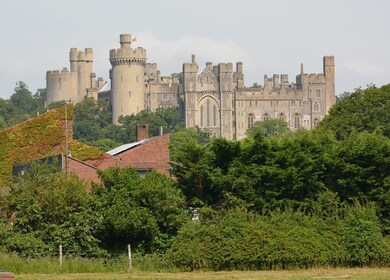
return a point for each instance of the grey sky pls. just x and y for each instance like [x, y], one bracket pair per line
[267, 36]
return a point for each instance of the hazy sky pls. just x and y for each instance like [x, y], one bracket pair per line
[269, 37]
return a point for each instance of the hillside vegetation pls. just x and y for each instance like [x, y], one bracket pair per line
[275, 200]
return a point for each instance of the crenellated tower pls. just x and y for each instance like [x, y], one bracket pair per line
[127, 78]
[72, 85]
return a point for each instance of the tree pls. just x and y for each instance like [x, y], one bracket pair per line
[363, 110]
[23, 99]
[272, 127]
[90, 117]
[144, 212]
[47, 209]
[191, 164]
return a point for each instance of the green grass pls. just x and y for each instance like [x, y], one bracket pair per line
[120, 264]
[154, 267]
[318, 274]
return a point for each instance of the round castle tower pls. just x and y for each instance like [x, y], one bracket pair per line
[127, 78]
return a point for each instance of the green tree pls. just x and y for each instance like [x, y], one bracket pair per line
[47, 209]
[144, 212]
[23, 99]
[90, 117]
[191, 164]
[363, 110]
[272, 127]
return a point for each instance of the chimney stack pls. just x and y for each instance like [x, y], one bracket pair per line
[142, 132]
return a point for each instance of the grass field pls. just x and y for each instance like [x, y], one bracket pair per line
[318, 274]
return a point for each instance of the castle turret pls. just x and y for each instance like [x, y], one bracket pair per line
[225, 73]
[127, 78]
[190, 73]
[239, 76]
[84, 70]
[329, 72]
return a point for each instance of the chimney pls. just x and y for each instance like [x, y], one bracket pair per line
[142, 132]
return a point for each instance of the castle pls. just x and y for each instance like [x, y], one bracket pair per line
[214, 99]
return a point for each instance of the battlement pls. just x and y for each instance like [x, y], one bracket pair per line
[329, 60]
[58, 73]
[122, 53]
[78, 56]
[190, 67]
[225, 67]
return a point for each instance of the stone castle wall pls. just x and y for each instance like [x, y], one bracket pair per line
[214, 99]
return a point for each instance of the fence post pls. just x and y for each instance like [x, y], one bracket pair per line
[60, 258]
[129, 253]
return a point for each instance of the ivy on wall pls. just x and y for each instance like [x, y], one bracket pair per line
[37, 138]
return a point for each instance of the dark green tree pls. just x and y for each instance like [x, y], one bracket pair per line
[48, 208]
[363, 110]
[272, 127]
[144, 212]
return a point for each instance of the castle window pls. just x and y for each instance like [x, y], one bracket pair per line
[208, 113]
[316, 122]
[282, 117]
[250, 120]
[297, 121]
[318, 92]
[214, 115]
[129, 94]
[293, 103]
[121, 79]
[266, 117]
[136, 79]
[316, 107]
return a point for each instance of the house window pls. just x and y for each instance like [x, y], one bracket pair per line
[250, 120]
[297, 121]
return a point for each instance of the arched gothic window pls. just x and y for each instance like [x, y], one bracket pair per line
[208, 113]
[266, 117]
[316, 107]
[282, 117]
[316, 122]
[250, 120]
[201, 115]
[297, 121]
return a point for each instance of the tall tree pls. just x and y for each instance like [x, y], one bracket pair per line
[363, 110]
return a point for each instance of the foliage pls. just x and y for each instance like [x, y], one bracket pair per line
[38, 138]
[363, 110]
[144, 212]
[47, 209]
[22, 105]
[92, 124]
[90, 117]
[272, 127]
[19, 143]
[190, 163]
[168, 119]
[238, 239]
